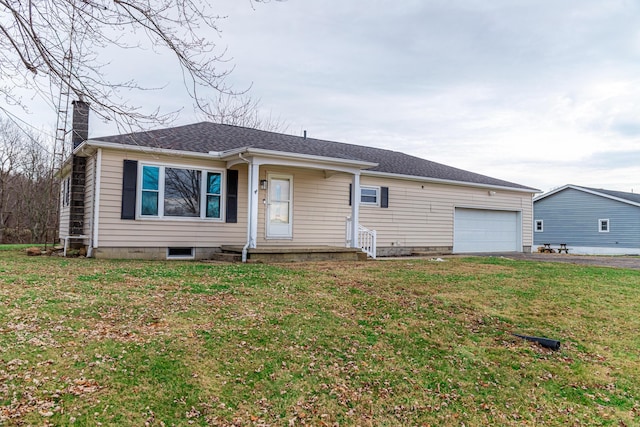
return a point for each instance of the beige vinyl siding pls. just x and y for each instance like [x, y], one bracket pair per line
[115, 232]
[320, 207]
[419, 214]
[422, 214]
[63, 227]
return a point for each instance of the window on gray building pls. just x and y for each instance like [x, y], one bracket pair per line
[603, 225]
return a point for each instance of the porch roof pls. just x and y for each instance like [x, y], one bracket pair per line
[207, 137]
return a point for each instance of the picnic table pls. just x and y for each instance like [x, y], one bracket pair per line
[548, 249]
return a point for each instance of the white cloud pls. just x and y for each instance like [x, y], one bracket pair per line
[537, 92]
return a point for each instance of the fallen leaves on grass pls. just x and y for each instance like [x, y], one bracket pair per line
[82, 386]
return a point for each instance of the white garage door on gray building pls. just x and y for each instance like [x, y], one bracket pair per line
[480, 230]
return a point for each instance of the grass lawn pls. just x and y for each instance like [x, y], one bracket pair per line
[384, 343]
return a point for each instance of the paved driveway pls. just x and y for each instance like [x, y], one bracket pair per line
[632, 262]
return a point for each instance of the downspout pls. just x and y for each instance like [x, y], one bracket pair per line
[246, 246]
[97, 172]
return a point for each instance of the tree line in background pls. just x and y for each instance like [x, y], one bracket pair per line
[29, 187]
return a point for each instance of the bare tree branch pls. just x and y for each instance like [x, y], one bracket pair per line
[245, 111]
[39, 40]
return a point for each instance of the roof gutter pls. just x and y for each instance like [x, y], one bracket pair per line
[446, 181]
[140, 149]
[225, 155]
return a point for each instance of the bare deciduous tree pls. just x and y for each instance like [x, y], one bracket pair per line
[38, 190]
[244, 111]
[64, 42]
[11, 147]
[28, 187]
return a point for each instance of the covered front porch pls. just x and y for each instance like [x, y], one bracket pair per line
[299, 207]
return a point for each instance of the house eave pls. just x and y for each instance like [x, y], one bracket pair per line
[282, 155]
[554, 191]
[93, 144]
[87, 146]
[586, 190]
[447, 181]
[64, 169]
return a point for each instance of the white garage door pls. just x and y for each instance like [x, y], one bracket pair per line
[477, 230]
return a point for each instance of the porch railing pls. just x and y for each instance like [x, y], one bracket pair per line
[366, 238]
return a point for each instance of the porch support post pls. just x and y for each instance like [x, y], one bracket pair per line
[254, 182]
[355, 209]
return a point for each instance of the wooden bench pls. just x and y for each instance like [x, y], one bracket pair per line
[563, 247]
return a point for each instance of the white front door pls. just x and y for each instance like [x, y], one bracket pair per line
[279, 206]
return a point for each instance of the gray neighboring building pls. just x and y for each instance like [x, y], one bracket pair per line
[588, 220]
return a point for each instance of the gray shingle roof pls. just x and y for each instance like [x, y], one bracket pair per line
[206, 136]
[632, 197]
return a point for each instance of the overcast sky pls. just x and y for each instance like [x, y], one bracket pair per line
[542, 93]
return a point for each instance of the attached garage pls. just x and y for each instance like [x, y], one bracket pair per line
[480, 230]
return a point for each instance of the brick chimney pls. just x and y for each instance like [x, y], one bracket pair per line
[79, 133]
[80, 125]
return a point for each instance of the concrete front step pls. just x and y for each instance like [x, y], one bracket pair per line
[226, 257]
[297, 254]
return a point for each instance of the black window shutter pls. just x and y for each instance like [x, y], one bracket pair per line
[350, 193]
[384, 197]
[232, 196]
[129, 182]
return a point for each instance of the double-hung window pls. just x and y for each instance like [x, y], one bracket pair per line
[179, 192]
[66, 192]
[370, 196]
[213, 194]
[603, 225]
[150, 190]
